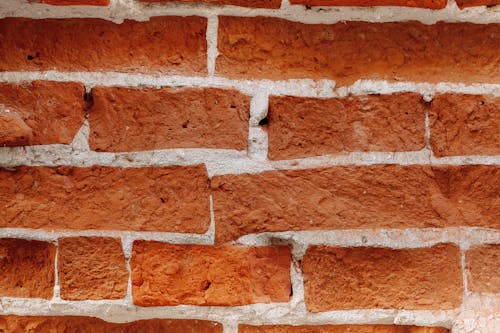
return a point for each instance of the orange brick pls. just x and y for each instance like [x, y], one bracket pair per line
[45, 112]
[356, 197]
[128, 119]
[241, 3]
[427, 278]
[340, 125]
[340, 329]
[91, 268]
[27, 268]
[277, 49]
[473, 3]
[432, 4]
[170, 274]
[172, 199]
[70, 324]
[171, 45]
[483, 268]
[465, 125]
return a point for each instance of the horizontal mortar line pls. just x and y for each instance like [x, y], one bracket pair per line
[299, 239]
[220, 161]
[117, 12]
[292, 87]
[126, 235]
[408, 238]
[258, 314]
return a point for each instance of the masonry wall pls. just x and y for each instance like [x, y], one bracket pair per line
[250, 166]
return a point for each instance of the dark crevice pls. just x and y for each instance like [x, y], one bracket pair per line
[89, 100]
[207, 285]
[264, 121]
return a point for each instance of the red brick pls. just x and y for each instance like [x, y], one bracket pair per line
[45, 112]
[433, 4]
[172, 199]
[354, 197]
[272, 48]
[170, 45]
[73, 324]
[340, 125]
[91, 268]
[427, 278]
[127, 119]
[483, 268]
[27, 268]
[76, 2]
[473, 3]
[13, 129]
[241, 3]
[465, 125]
[340, 329]
[170, 274]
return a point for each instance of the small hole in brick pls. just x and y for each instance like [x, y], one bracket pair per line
[162, 200]
[30, 57]
[207, 285]
[233, 106]
[264, 121]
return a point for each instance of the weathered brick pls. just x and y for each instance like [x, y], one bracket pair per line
[353, 197]
[465, 124]
[27, 268]
[91, 268]
[170, 274]
[360, 123]
[13, 129]
[143, 199]
[45, 112]
[473, 3]
[172, 45]
[483, 268]
[339, 329]
[241, 3]
[76, 2]
[272, 48]
[74, 324]
[426, 278]
[433, 4]
[128, 119]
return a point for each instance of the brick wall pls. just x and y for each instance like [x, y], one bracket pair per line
[250, 166]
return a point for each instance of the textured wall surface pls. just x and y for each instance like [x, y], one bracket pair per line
[251, 166]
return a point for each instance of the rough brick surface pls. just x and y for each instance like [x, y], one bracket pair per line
[241, 3]
[260, 47]
[70, 324]
[433, 4]
[483, 268]
[382, 196]
[52, 112]
[339, 125]
[127, 119]
[173, 45]
[340, 329]
[465, 125]
[169, 274]
[76, 2]
[27, 268]
[91, 268]
[473, 3]
[427, 278]
[13, 129]
[148, 199]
